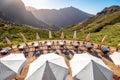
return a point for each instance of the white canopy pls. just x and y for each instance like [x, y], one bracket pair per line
[50, 34]
[75, 35]
[87, 67]
[11, 65]
[115, 58]
[48, 67]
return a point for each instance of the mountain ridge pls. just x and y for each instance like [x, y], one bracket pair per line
[109, 10]
[105, 22]
[15, 11]
[60, 17]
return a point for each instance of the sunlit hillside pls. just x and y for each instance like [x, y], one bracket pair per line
[106, 22]
[12, 31]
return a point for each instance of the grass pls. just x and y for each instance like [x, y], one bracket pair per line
[13, 33]
[98, 26]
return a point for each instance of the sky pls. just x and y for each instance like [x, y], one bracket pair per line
[89, 6]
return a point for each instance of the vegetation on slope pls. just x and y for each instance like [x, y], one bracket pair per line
[106, 22]
[12, 31]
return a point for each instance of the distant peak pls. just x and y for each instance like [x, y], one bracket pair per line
[29, 8]
[110, 9]
[69, 7]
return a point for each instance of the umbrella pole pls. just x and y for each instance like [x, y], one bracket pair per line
[12, 48]
[39, 44]
[27, 46]
[69, 68]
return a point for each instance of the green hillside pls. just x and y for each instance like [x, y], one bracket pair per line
[105, 22]
[12, 31]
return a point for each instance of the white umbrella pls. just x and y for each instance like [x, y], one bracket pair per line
[24, 38]
[48, 67]
[11, 65]
[88, 37]
[37, 36]
[104, 39]
[74, 35]
[62, 36]
[87, 67]
[50, 34]
[115, 58]
[8, 41]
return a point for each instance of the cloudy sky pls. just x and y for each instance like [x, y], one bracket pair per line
[90, 6]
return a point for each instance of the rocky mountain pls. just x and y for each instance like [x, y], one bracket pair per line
[106, 22]
[15, 11]
[62, 17]
[109, 10]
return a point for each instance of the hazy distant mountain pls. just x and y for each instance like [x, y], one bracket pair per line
[15, 11]
[62, 17]
[31, 9]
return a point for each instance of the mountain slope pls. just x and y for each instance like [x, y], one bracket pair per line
[15, 11]
[13, 32]
[105, 22]
[62, 17]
